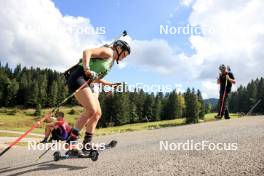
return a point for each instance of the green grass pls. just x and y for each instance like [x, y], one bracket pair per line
[139, 126]
[6, 134]
[21, 144]
[24, 119]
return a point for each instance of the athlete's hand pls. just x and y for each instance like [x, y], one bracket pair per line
[48, 118]
[91, 74]
[228, 78]
[116, 85]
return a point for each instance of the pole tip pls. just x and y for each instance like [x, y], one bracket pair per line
[124, 33]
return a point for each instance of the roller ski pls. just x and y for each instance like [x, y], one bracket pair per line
[93, 153]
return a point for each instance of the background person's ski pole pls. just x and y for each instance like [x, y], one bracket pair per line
[223, 99]
[42, 120]
[251, 109]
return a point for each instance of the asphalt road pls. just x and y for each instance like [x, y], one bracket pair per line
[138, 153]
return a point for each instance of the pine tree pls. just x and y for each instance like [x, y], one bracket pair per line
[108, 110]
[157, 108]
[32, 100]
[4, 83]
[54, 94]
[132, 107]
[17, 71]
[38, 111]
[133, 113]
[260, 96]
[120, 103]
[201, 104]
[192, 106]
[13, 87]
[252, 93]
[8, 71]
[42, 95]
[208, 108]
[171, 106]
[148, 107]
[139, 102]
[23, 92]
[242, 99]
[180, 106]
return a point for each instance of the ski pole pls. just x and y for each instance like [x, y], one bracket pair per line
[43, 119]
[223, 99]
[124, 33]
[45, 152]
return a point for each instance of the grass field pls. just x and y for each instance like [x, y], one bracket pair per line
[23, 120]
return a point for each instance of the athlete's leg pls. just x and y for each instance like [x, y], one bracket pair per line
[226, 114]
[91, 124]
[86, 99]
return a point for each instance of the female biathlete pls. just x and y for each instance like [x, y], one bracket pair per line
[96, 63]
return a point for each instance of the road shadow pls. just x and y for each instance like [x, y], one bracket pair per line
[46, 165]
[4, 168]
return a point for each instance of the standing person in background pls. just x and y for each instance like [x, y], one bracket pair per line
[226, 79]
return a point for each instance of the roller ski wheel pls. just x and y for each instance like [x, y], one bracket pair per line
[94, 154]
[112, 144]
[56, 156]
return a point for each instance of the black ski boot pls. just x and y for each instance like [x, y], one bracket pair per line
[218, 117]
[45, 140]
[87, 148]
[87, 145]
[72, 143]
[227, 117]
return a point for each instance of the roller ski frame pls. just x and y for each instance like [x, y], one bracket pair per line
[74, 153]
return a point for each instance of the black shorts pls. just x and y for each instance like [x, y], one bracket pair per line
[76, 79]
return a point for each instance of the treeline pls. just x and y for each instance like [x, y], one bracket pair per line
[35, 87]
[30, 87]
[247, 96]
[132, 107]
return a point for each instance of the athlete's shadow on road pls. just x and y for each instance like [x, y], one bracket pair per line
[47, 165]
